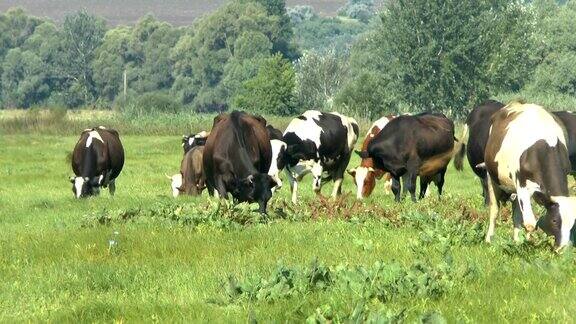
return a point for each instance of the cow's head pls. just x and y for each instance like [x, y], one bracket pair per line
[176, 184]
[83, 187]
[255, 188]
[365, 180]
[559, 218]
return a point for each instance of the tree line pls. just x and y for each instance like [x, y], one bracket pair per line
[257, 55]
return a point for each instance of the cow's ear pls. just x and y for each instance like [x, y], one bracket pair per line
[261, 119]
[362, 154]
[543, 199]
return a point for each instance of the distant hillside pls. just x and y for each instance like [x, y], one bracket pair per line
[177, 12]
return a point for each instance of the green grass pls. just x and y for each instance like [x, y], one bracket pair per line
[175, 256]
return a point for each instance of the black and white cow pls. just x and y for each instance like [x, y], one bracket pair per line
[278, 163]
[193, 140]
[97, 160]
[319, 143]
[526, 155]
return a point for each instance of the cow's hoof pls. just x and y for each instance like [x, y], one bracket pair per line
[529, 227]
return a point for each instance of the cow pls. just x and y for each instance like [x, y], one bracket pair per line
[319, 143]
[475, 135]
[411, 146]
[97, 160]
[365, 175]
[237, 158]
[274, 133]
[193, 140]
[278, 163]
[473, 141]
[190, 180]
[526, 156]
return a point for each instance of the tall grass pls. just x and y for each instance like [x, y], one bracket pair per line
[71, 122]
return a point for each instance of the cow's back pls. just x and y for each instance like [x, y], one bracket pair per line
[106, 149]
[232, 133]
[517, 129]
[427, 137]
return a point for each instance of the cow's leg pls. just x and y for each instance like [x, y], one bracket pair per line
[337, 190]
[424, 181]
[517, 218]
[485, 194]
[493, 210]
[523, 196]
[439, 180]
[293, 186]
[396, 188]
[405, 180]
[112, 187]
[221, 187]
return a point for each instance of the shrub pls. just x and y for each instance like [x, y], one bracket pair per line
[150, 103]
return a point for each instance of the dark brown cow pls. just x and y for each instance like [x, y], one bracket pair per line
[190, 180]
[97, 160]
[412, 146]
[526, 156]
[473, 141]
[365, 174]
[237, 157]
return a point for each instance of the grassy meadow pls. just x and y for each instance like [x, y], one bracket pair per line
[144, 256]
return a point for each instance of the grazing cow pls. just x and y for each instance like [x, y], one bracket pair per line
[526, 155]
[237, 158]
[278, 151]
[473, 141]
[365, 175]
[97, 160]
[412, 146]
[274, 133]
[190, 180]
[193, 140]
[319, 143]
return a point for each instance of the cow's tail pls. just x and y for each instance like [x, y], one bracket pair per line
[460, 149]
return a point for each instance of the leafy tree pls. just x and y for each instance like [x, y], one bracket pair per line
[556, 71]
[437, 55]
[328, 34]
[271, 91]
[223, 52]
[362, 10]
[81, 35]
[319, 77]
[299, 14]
[23, 79]
[111, 61]
[283, 41]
